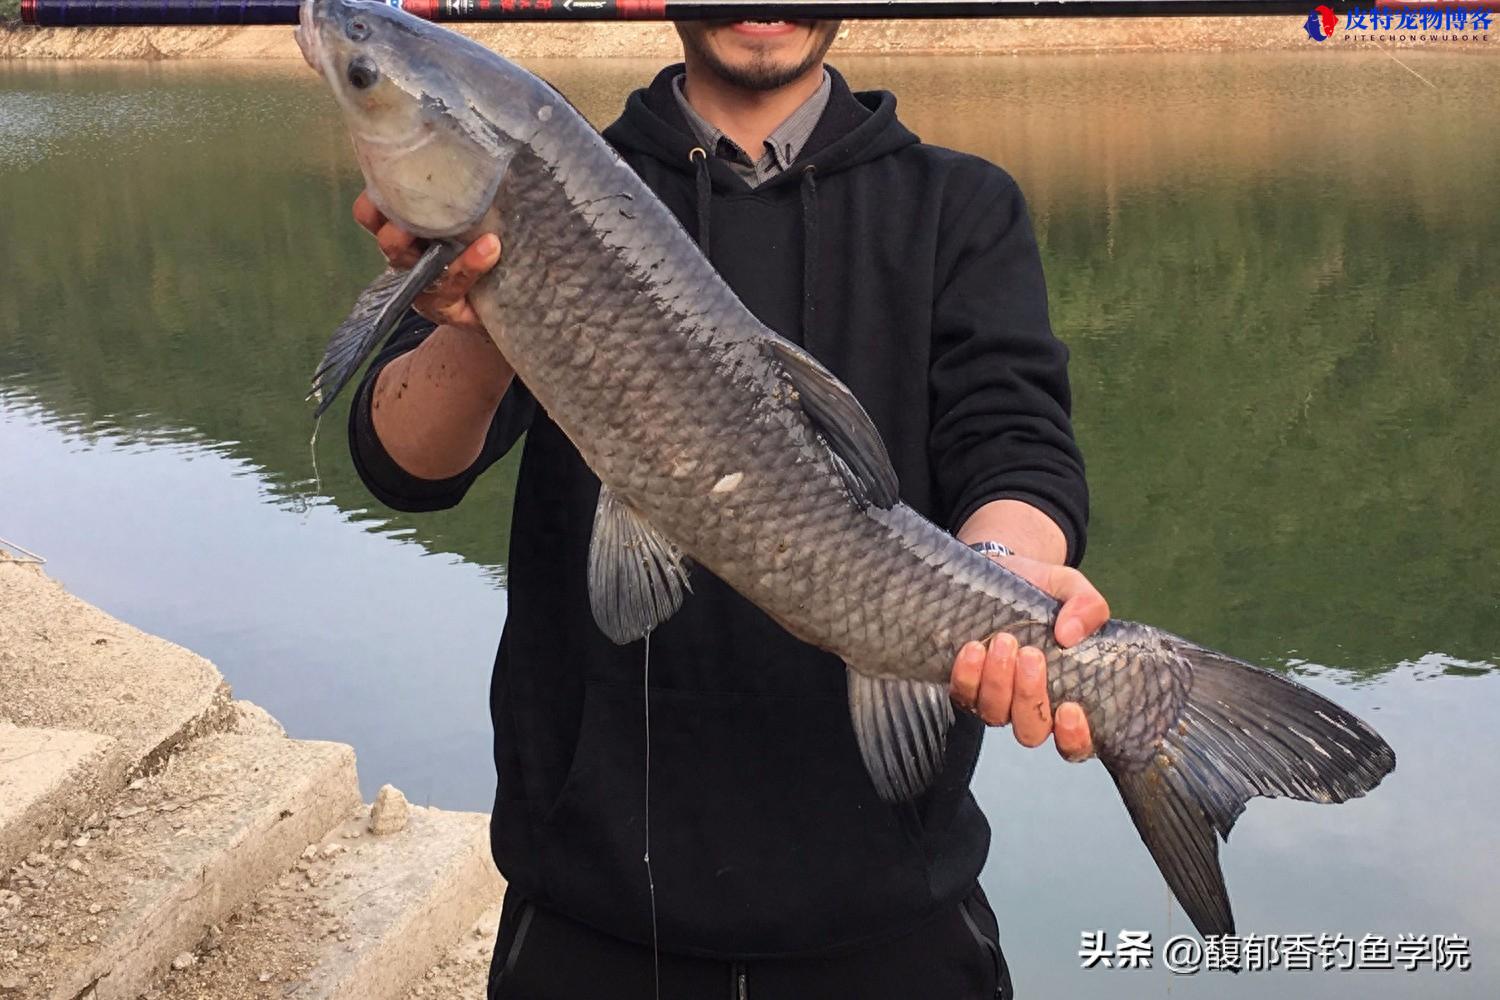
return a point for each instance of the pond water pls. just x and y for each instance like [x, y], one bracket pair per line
[1278, 275]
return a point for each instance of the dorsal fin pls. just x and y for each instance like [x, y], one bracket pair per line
[845, 426]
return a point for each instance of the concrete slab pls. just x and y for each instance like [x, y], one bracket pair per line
[41, 771]
[464, 972]
[65, 664]
[360, 916]
[106, 913]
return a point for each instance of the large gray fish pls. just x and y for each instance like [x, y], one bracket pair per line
[720, 443]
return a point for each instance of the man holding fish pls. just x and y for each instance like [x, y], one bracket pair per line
[912, 272]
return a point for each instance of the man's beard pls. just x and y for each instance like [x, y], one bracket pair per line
[761, 74]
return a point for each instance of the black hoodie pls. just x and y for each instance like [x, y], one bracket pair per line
[912, 272]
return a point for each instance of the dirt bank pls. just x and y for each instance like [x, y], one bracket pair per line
[660, 41]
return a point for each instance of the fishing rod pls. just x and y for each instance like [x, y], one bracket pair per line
[69, 13]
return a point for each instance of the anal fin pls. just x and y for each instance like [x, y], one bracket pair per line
[637, 577]
[902, 731]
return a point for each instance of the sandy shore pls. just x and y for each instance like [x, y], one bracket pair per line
[660, 40]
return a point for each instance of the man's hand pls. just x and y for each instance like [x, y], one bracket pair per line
[1002, 683]
[446, 301]
[432, 407]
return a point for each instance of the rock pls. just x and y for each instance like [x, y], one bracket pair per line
[184, 961]
[251, 719]
[310, 852]
[264, 977]
[333, 850]
[389, 813]
[12, 982]
[94, 909]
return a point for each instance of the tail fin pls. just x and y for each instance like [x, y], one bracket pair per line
[1243, 732]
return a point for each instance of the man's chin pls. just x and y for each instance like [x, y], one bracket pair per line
[760, 61]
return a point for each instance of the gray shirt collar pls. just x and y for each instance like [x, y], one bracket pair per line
[782, 146]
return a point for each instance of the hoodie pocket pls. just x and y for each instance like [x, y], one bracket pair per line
[766, 835]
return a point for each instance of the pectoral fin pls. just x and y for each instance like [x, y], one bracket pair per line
[844, 425]
[375, 314]
[902, 731]
[637, 578]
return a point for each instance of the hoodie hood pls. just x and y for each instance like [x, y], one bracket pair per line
[855, 128]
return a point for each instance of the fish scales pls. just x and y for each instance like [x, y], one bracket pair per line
[714, 436]
[885, 590]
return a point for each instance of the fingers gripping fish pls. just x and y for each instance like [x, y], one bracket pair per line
[717, 442]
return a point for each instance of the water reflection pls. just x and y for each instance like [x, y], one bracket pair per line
[1275, 299]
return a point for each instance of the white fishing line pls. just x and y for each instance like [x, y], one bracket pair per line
[1403, 65]
[650, 879]
[312, 448]
[28, 556]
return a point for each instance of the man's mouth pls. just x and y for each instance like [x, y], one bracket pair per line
[766, 28]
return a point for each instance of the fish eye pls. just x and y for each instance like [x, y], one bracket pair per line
[362, 73]
[357, 31]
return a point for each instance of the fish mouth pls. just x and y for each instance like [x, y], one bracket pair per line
[306, 34]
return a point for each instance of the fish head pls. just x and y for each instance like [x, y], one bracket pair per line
[431, 159]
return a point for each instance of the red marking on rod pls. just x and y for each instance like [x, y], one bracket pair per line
[28, 11]
[641, 9]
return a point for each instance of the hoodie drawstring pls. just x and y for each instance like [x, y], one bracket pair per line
[699, 157]
[809, 250]
[809, 193]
